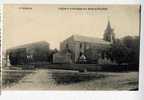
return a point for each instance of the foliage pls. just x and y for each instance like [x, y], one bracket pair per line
[125, 50]
[41, 54]
[17, 56]
[92, 55]
[105, 61]
[132, 43]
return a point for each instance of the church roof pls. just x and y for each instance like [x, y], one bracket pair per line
[108, 28]
[89, 39]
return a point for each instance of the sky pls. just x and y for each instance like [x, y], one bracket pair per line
[54, 23]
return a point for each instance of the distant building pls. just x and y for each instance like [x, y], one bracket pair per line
[62, 57]
[28, 53]
[87, 47]
[78, 45]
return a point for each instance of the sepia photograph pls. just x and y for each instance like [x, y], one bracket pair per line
[0, 48]
[71, 47]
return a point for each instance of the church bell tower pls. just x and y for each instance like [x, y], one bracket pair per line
[109, 33]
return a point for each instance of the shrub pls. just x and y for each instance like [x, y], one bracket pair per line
[105, 61]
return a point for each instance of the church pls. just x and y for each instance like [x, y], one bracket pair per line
[86, 49]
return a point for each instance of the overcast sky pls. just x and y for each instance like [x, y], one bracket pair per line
[31, 23]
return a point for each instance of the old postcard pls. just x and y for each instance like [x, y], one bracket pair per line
[71, 47]
[0, 49]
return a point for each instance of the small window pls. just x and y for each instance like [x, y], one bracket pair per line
[80, 45]
[67, 46]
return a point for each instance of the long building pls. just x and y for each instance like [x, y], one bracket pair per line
[28, 53]
[79, 45]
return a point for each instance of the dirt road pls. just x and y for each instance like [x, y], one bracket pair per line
[44, 79]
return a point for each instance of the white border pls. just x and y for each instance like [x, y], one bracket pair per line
[1, 35]
[71, 95]
[72, 1]
[141, 70]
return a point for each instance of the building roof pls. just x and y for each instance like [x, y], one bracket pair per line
[39, 44]
[108, 26]
[89, 39]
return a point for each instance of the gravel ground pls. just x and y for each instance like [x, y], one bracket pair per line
[50, 79]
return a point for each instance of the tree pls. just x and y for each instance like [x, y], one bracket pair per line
[93, 54]
[132, 43]
[41, 54]
[118, 52]
[125, 50]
